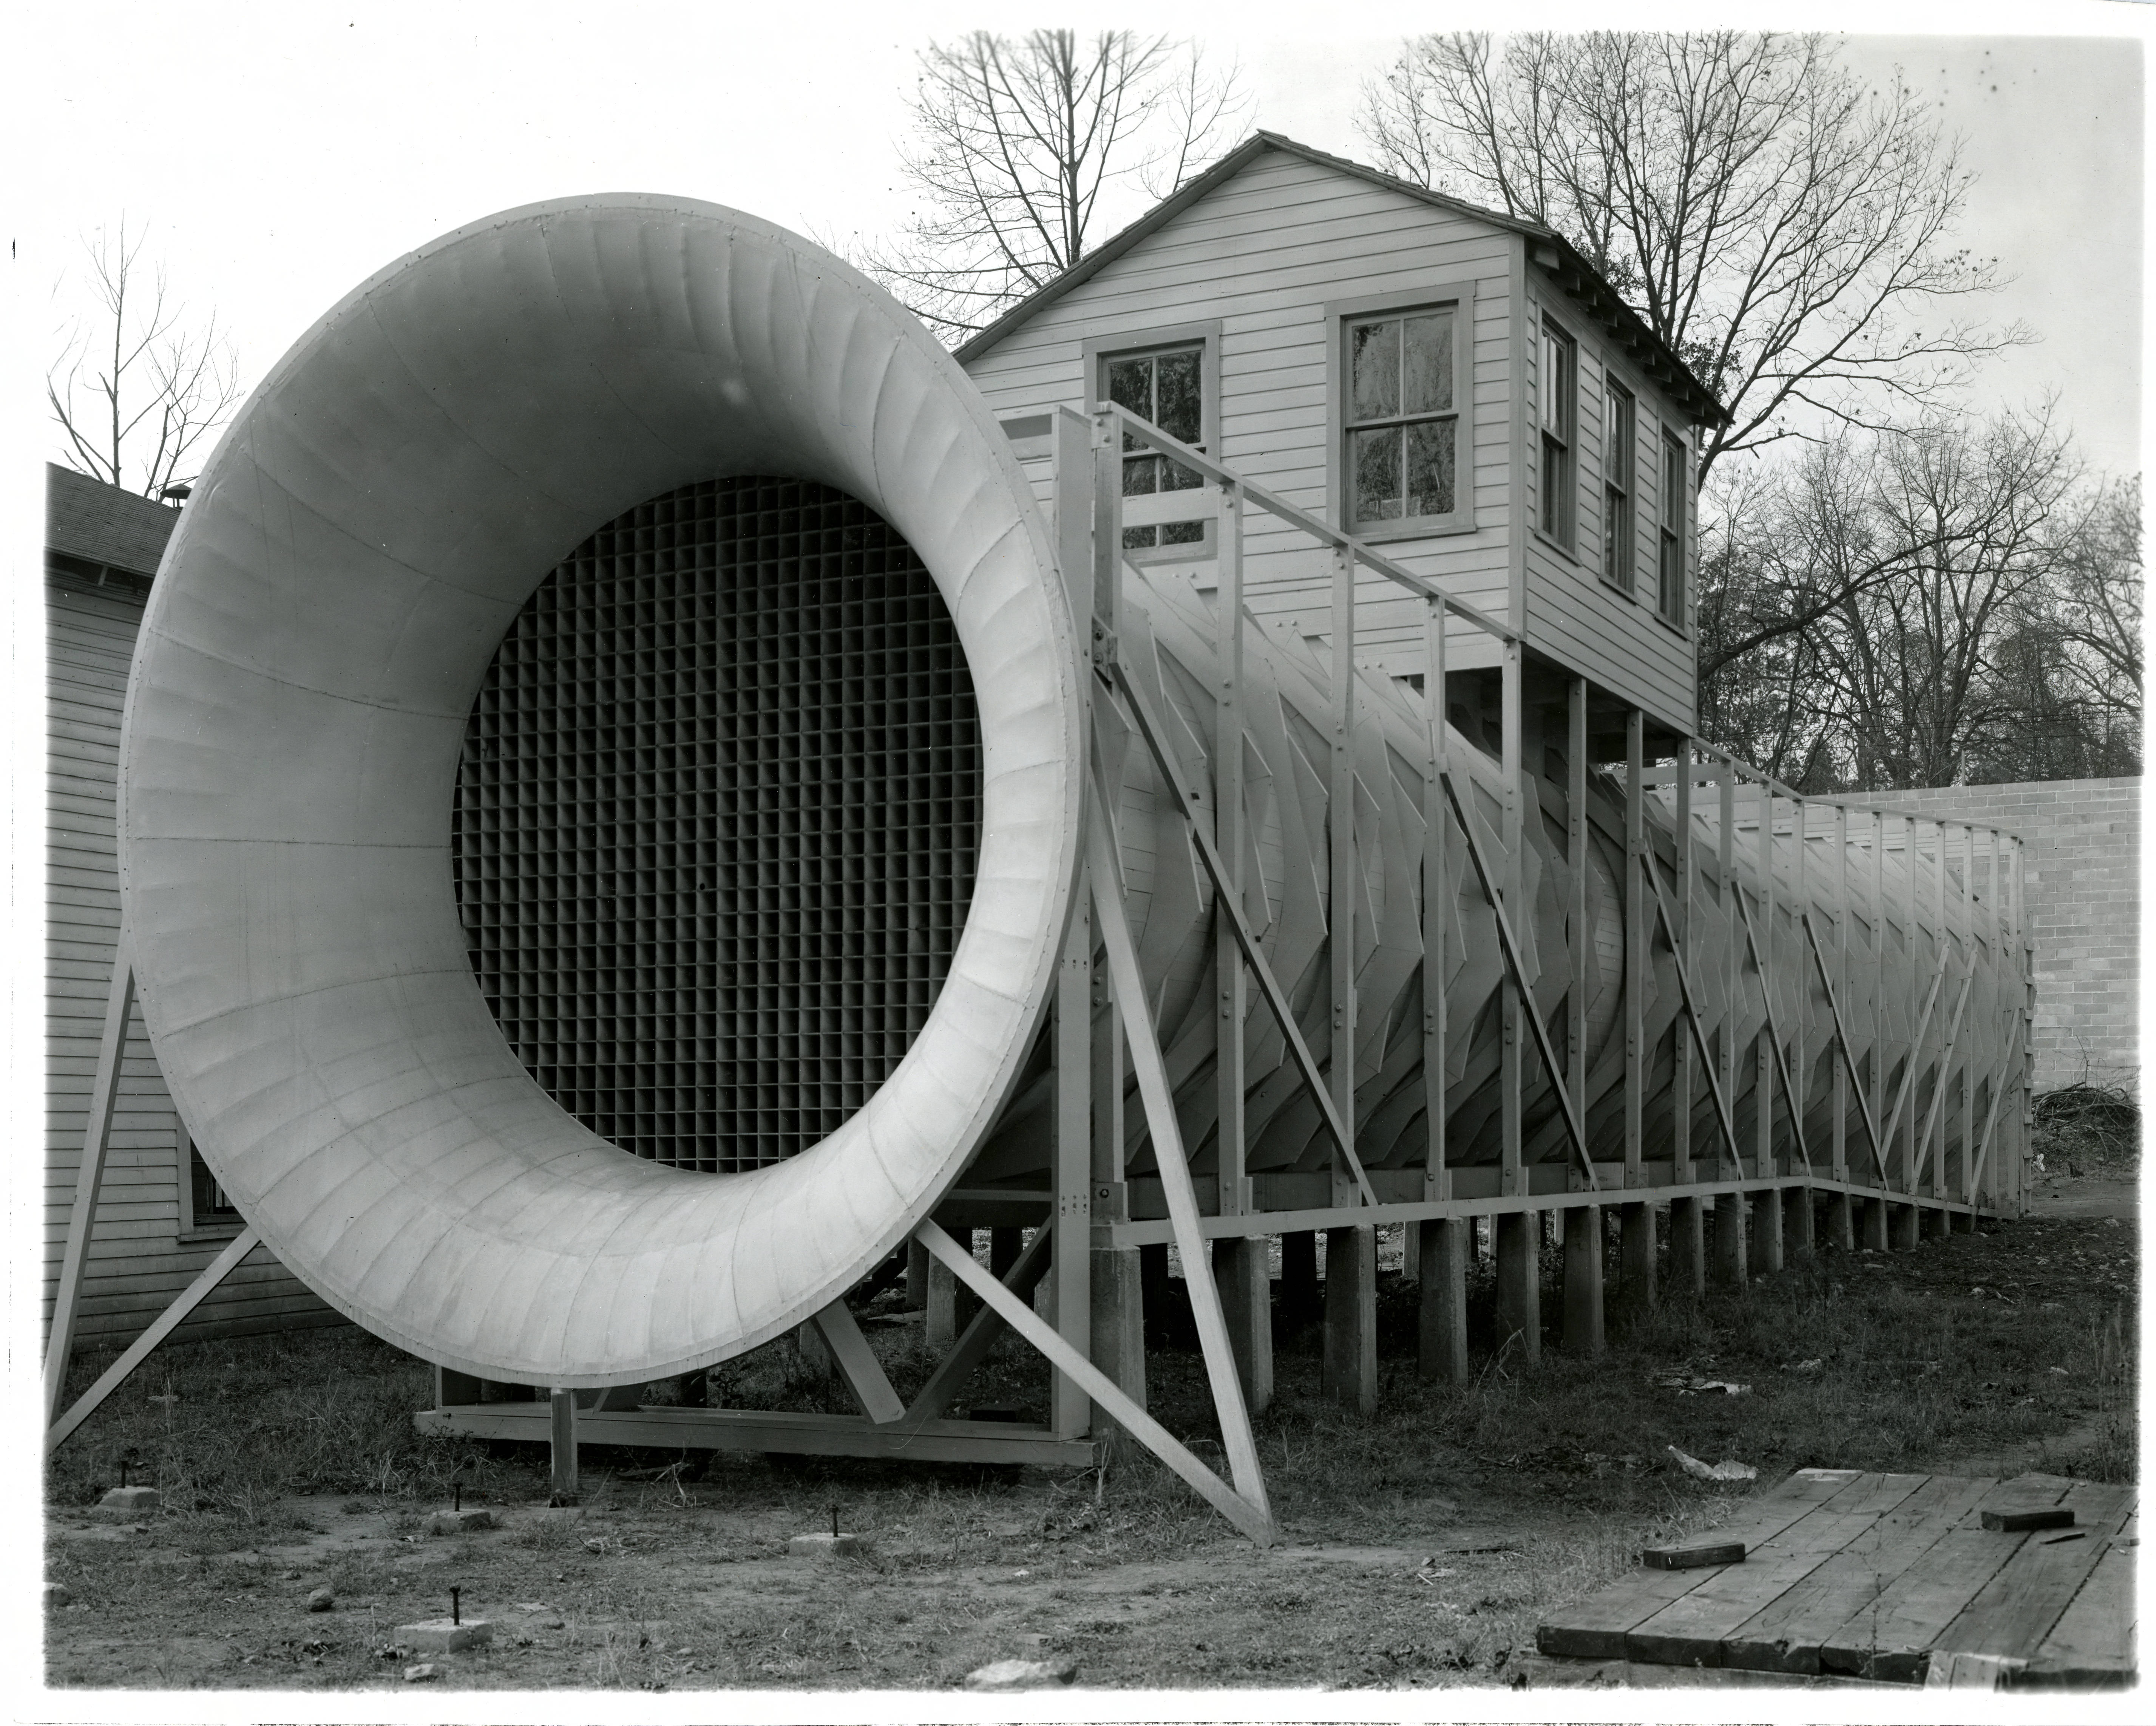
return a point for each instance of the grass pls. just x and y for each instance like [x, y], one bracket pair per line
[1971, 1354]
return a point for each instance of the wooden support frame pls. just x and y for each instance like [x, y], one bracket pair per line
[1841, 1036]
[1774, 1038]
[1691, 1012]
[89, 1175]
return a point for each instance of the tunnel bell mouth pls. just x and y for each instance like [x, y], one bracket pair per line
[716, 816]
[355, 552]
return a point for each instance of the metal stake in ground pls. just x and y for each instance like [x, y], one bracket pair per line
[834, 1519]
[456, 1606]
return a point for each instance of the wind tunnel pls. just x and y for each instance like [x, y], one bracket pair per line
[600, 800]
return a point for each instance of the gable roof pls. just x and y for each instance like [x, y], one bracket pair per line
[1546, 247]
[93, 522]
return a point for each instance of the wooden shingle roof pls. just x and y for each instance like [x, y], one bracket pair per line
[92, 522]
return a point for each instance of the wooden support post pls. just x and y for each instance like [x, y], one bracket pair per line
[1874, 1222]
[1341, 863]
[1797, 1221]
[1767, 1232]
[1070, 1272]
[814, 1353]
[1519, 1288]
[561, 1429]
[1578, 940]
[1688, 1247]
[1635, 1255]
[1240, 1268]
[940, 1329]
[1350, 1376]
[1004, 1245]
[1583, 1277]
[1637, 931]
[1448, 1243]
[1298, 1290]
[1512, 1177]
[1764, 1160]
[1682, 1051]
[1901, 1226]
[917, 1276]
[1730, 1165]
[1842, 1069]
[1841, 1222]
[1876, 1062]
[89, 1175]
[1728, 1267]
[1118, 1348]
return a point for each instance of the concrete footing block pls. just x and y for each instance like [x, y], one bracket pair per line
[439, 1636]
[132, 1500]
[828, 1546]
[1022, 1675]
[459, 1522]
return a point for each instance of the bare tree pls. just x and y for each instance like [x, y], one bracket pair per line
[1894, 609]
[1017, 143]
[136, 389]
[1788, 235]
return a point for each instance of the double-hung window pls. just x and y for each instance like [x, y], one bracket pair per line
[1403, 418]
[1617, 523]
[1166, 388]
[1670, 574]
[1559, 387]
[204, 1204]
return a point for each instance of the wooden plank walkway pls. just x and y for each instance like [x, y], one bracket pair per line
[1885, 1577]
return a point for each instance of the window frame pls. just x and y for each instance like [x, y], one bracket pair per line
[1549, 328]
[1204, 336]
[1673, 529]
[218, 1225]
[1620, 486]
[1459, 297]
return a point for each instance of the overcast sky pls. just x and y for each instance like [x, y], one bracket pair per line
[278, 154]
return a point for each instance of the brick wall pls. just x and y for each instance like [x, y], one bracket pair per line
[2084, 896]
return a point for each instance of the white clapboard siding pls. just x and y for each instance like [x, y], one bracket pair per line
[137, 1259]
[1262, 252]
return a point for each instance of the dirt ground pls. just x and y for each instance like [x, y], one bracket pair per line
[1421, 1547]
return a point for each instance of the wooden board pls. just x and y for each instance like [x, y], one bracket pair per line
[1785, 1634]
[1596, 1627]
[2017, 1609]
[2091, 1645]
[1892, 1637]
[1691, 1632]
[1874, 1575]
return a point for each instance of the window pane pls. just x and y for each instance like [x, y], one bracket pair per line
[1137, 539]
[1553, 482]
[1130, 385]
[1176, 477]
[1430, 468]
[1557, 384]
[1427, 387]
[1183, 533]
[1374, 361]
[1617, 537]
[1617, 433]
[1375, 456]
[1141, 475]
[1179, 415]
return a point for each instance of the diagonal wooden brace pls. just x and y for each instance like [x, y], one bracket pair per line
[1185, 801]
[1506, 940]
[1917, 1043]
[1174, 1169]
[980, 1334]
[218, 1268]
[1691, 1009]
[1253, 1519]
[1939, 1085]
[858, 1365]
[1848, 1054]
[1774, 1030]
